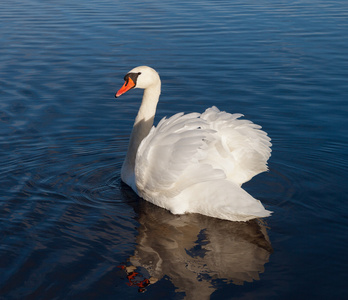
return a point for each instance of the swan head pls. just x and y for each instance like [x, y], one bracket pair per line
[141, 77]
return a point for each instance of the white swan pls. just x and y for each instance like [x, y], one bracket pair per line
[193, 163]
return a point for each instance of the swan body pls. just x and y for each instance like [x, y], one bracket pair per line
[193, 163]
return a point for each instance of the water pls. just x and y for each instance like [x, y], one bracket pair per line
[68, 226]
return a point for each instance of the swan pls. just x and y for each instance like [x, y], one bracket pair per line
[193, 163]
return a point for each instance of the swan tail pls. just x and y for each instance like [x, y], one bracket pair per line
[220, 199]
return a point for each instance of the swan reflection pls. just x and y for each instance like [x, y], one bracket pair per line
[194, 251]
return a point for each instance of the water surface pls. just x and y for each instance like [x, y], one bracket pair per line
[70, 229]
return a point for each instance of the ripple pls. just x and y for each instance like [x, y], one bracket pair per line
[67, 221]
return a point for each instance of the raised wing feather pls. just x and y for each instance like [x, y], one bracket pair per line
[244, 147]
[168, 159]
[188, 149]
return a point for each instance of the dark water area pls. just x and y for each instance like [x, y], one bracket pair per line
[69, 229]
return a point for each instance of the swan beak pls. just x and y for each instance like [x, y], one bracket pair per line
[129, 84]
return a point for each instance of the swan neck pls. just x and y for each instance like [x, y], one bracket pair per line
[148, 105]
[141, 128]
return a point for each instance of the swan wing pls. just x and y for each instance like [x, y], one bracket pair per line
[240, 148]
[197, 162]
[169, 159]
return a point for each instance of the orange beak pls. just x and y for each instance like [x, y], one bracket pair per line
[129, 84]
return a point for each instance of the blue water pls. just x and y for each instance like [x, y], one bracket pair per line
[69, 229]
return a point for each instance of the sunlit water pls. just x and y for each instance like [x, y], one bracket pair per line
[71, 230]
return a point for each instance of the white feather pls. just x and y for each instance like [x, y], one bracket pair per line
[196, 163]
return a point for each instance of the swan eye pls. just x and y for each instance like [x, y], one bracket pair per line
[133, 76]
